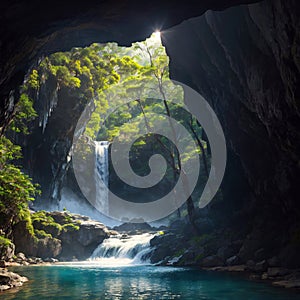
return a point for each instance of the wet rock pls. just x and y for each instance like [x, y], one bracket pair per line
[9, 280]
[291, 284]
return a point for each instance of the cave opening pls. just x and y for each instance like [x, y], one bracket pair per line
[118, 91]
[244, 60]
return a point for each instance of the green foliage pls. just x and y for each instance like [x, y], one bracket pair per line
[24, 113]
[40, 234]
[44, 222]
[70, 227]
[4, 241]
[33, 80]
[16, 188]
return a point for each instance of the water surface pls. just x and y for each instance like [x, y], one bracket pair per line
[139, 282]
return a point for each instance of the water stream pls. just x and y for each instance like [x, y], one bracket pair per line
[122, 250]
[102, 175]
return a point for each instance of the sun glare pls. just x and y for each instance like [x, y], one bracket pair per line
[156, 35]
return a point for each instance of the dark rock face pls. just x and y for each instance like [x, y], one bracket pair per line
[47, 148]
[245, 62]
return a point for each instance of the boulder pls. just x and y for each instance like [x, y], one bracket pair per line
[260, 254]
[275, 272]
[233, 260]
[7, 251]
[134, 228]
[274, 261]
[226, 251]
[261, 266]
[212, 261]
[9, 280]
[31, 246]
[81, 243]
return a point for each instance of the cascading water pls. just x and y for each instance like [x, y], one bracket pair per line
[121, 250]
[101, 175]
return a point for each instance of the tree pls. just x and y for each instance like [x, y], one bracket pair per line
[16, 188]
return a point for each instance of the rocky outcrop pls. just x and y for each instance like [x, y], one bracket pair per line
[60, 235]
[7, 251]
[134, 228]
[43, 247]
[81, 243]
[9, 280]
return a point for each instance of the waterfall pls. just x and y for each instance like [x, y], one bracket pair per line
[124, 250]
[101, 175]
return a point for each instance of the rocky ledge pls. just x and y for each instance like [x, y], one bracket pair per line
[9, 280]
[228, 251]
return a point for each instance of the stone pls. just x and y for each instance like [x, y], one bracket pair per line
[21, 256]
[50, 260]
[9, 280]
[134, 227]
[261, 266]
[291, 284]
[274, 261]
[7, 251]
[260, 254]
[2, 264]
[82, 242]
[227, 251]
[250, 264]
[276, 271]
[212, 261]
[233, 260]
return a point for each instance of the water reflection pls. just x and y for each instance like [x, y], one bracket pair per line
[143, 282]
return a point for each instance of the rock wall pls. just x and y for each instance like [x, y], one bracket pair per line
[245, 62]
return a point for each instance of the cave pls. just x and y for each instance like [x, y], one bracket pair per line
[242, 56]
